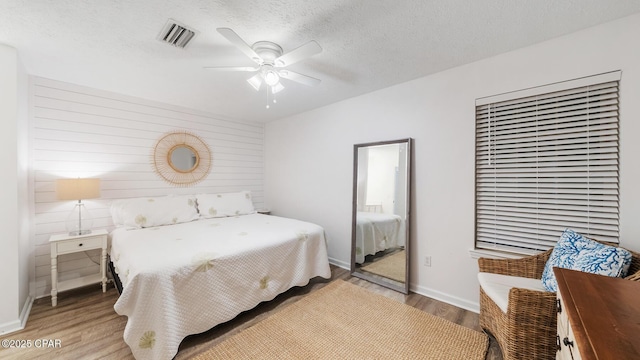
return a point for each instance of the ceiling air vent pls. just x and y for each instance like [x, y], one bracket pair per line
[176, 34]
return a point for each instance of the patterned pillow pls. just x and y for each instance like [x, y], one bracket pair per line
[154, 211]
[574, 251]
[227, 204]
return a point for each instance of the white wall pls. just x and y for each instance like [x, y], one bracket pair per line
[25, 193]
[309, 156]
[14, 253]
[83, 132]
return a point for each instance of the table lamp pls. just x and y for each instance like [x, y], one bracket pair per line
[79, 221]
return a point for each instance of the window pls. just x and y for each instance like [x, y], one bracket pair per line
[546, 160]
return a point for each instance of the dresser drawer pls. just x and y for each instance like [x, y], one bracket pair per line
[568, 346]
[563, 353]
[74, 245]
[573, 347]
[563, 319]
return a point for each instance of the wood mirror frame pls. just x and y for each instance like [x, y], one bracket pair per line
[177, 174]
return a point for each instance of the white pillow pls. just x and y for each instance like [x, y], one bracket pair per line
[228, 204]
[154, 211]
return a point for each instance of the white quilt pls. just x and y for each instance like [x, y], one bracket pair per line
[184, 279]
[376, 232]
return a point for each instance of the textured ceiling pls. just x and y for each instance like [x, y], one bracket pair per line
[367, 45]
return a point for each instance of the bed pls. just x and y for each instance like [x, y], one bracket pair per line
[187, 277]
[377, 232]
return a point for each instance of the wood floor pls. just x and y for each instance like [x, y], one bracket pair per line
[87, 327]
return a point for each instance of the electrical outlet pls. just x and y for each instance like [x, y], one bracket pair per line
[427, 261]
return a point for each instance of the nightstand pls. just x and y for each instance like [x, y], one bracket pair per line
[68, 244]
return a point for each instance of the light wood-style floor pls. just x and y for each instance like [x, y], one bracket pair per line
[88, 328]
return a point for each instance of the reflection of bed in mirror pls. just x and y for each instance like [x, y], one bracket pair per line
[377, 232]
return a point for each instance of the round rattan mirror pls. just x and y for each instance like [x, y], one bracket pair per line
[181, 158]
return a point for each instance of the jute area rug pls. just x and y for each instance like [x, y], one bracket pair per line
[392, 266]
[345, 321]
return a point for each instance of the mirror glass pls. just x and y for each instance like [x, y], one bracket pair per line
[380, 226]
[183, 158]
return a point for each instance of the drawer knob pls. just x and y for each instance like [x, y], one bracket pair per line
[80, 244]
[567, 342]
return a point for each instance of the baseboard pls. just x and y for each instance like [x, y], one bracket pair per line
[21, 322]
[449, 299]
[340, 263]
[434, 294]
[26, 310]
[10, 327]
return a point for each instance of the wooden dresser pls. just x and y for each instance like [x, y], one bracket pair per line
[598, 316]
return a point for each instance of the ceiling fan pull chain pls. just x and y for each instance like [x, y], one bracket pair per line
[268, 96]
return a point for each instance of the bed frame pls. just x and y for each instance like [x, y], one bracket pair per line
[116, 278]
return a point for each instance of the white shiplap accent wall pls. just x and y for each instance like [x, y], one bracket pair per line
[83, 132]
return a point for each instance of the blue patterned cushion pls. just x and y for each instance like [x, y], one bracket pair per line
[574, 251]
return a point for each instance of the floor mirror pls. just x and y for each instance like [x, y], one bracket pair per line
[380, 219]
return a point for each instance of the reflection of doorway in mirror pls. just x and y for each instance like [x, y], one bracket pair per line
[382, 179]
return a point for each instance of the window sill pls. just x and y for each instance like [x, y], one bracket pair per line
[492, 254]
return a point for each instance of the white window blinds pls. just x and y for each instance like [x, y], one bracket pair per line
[546, 160]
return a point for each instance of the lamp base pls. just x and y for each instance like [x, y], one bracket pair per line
[79, 221]
[78, 233]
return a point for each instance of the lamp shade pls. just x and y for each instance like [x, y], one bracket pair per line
[77, 189]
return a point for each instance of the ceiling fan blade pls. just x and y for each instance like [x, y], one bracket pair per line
[297, 77]
[232, 68]
[309, 49]
[240, 44]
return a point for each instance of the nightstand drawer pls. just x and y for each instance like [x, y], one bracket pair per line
[88, 243]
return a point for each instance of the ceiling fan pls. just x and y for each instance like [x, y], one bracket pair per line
[271, 62]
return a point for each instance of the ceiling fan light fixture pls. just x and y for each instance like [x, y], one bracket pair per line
[276, 89]
[255, 81]
[271, 77]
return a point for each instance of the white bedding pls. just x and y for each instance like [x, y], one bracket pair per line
[184, 279]
[376, 232]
